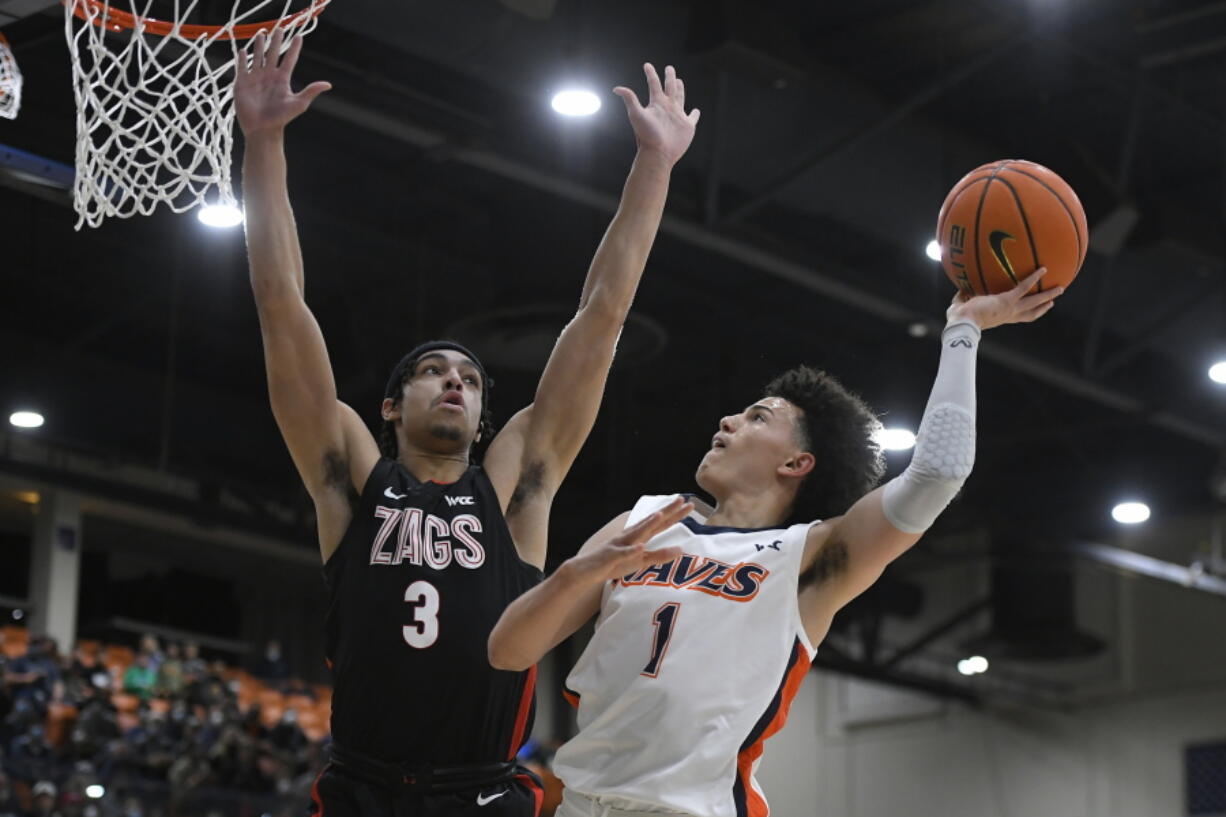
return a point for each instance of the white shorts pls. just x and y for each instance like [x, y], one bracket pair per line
[575, 804]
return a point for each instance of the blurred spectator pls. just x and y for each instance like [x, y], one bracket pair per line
[9, 807]
[140, 678]
[272, 666]
[194, 666]
[30, 676]
[170, 681]
[31, 757]
[44, 795]
[150, 648]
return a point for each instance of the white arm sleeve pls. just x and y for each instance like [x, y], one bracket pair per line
[945, 445]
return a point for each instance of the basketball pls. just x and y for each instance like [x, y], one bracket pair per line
[1006, 219]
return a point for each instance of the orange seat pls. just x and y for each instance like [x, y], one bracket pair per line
[270, 697]
[300, 702]
[125, 703]
[269, 715]
[114, 654]
[14, 648]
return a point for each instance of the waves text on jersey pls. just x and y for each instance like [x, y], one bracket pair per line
[740, 582]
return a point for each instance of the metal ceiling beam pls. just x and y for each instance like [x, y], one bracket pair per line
[802, 275]
[946, 626]
[1193, 577]
[826, 153]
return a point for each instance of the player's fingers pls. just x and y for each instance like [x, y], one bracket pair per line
[670, 81]
[649, 526]
[309, 93]
[1031, 301]
[629, 97]
[679, 92]
[258, 47]
[1031, 315]
[658, 557]
[274, 47]
[694, 116]
[654, 91]
[291, 56]
[1028, 282]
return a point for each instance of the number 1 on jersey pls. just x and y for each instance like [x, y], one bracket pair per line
[665, 619]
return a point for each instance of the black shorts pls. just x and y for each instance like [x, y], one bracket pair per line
[338, 793]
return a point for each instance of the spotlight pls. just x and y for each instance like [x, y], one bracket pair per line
[18, 615]
[1130, 513]
[95, 791]
[933, 250]
[895, 439]
[26, 419]
[1217, 372]
[576, 102]
[220, 216]
[977, 663]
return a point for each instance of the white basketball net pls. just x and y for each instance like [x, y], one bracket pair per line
[155, 112]
[10, 82]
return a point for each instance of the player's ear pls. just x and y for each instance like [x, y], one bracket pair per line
[390, 409]
[798, 465]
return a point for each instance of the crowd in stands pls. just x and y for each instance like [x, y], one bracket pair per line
[109, 731]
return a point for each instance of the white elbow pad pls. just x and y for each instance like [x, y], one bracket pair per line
[944, 456]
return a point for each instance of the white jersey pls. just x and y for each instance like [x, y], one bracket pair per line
[692, 666]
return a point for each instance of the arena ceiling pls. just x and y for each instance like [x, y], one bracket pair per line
[436, 193]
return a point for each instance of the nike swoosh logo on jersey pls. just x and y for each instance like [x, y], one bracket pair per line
[996, 240]
[482, 800]
[390, 494]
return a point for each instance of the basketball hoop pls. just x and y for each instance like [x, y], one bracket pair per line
[155, 111]
[10, 82]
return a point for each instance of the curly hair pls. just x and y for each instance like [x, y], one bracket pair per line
[838, 428]
[389, 446]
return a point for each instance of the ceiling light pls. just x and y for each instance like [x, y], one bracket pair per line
[18, 615]
[933, 250]
[95, 791]
[977, 663]
[964, 667]
[1130, 513]
[26, 419]
[895, 439]
[1217, 372]
[220, 215]
[575, 102]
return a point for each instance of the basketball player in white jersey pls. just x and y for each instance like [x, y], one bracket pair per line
[706, 631]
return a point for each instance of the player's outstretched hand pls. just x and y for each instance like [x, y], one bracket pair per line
[627, 552]
[263, 98]
[662, 127]
[1013, 306]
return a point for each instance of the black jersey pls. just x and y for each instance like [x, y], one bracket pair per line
[419, 580]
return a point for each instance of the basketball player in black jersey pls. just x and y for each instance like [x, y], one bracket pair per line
[423, 549]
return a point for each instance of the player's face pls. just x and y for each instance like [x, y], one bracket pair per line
[441, 403]
[751, 448]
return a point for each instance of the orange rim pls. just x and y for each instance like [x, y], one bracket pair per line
[115, 20]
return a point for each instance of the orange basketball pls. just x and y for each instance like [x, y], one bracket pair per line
[1006, 219]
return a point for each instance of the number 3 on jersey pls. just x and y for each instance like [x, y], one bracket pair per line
[665, 619]
[424, 630]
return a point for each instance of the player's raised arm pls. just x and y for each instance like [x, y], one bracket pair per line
[330, 446]
[542, 618]
[847, 554]
[533, 453]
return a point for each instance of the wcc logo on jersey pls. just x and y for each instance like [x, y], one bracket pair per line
[419, 538]
[739, 582]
